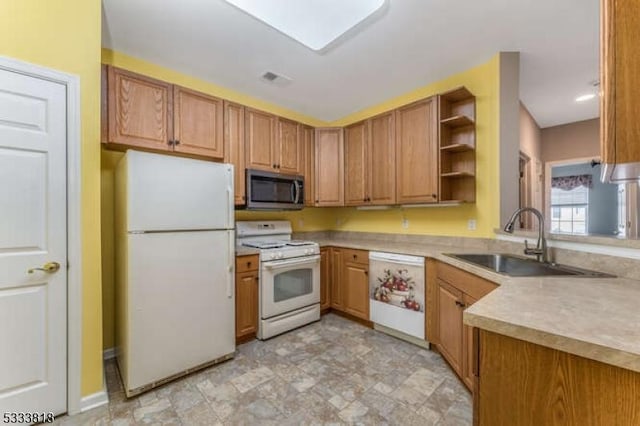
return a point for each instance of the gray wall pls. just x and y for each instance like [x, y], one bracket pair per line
[603, 198]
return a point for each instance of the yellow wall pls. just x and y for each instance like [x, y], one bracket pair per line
[65, 35]
[483, 82]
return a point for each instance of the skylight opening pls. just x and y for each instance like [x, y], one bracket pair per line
[314, 23]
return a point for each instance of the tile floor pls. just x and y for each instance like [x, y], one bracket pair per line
[331, 372]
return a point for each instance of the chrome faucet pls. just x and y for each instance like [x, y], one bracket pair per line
[540, 251]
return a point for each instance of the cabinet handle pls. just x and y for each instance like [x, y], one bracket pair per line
[366, 272]
[434, 196]
[278, 166]
[170, 142]
[176, 142]
[273, 165]
[355, 256]
[257, 279]
[248, 264]
[460, 304]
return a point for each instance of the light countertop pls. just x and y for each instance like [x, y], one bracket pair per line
[596, 318]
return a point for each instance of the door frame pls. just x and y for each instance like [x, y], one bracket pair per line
[74, 219]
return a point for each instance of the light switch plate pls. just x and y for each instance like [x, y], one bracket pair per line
[471, 225]
[405, 223]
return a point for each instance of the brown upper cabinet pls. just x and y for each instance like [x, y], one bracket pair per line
[288, 148]
[329, 161]
[198, 123]
[417, 152]
[260, 140]
[234, 147]
[309, 157]
[381, 159]
[620, 82]
[355, 164]
[370, 169]
[146, 113]
[272, 143]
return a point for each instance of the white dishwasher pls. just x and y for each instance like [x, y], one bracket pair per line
[397, 292]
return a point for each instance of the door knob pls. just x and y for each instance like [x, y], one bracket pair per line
[49, 267]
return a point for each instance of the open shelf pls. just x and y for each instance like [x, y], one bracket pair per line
[456, 175]
[457, 121]
[457, 147]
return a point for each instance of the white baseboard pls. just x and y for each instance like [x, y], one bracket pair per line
[109, 353]
[94, 400]
[97, 399]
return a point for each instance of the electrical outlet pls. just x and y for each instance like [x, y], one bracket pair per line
[405, 223]
[301, 223]
[471, 225]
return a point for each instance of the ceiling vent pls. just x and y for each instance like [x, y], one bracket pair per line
[276, 79]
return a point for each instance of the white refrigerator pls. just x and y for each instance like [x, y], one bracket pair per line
[175, 307]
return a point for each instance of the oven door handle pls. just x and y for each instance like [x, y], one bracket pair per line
[289, 262]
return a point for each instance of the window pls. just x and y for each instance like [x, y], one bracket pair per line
[569, 210]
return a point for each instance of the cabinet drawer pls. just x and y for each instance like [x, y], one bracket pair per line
[470, 284]
[356, 256]
[247, 263]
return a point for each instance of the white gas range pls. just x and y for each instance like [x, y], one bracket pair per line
[289, 276]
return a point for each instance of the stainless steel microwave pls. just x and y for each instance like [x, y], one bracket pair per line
[274, 191]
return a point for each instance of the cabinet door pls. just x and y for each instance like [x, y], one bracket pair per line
[246, 303]
[468, 352]
[381, 171]
[234, 147]
[417, 153]
[325, 282]
[289, 148]
[337, 301]
[308, 144]
[139, 110]
[620, 82]
[355, 282]
[260, 137]
[355, 165]
[450, 325]
[329, 167]
[198, 123]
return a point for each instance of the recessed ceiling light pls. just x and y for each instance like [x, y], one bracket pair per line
[314, 23]
[586, 97]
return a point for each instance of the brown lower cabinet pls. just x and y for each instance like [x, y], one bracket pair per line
[522, 383]
[355, 283]
[247, 282]
[454, 290]
[347, 286]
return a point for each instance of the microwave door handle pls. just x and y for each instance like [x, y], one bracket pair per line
[296, 187]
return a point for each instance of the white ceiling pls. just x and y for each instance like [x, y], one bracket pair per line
[410, 44]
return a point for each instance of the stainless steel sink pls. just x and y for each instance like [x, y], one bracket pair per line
[516, 266]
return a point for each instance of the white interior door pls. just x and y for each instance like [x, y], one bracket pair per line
[33, 231]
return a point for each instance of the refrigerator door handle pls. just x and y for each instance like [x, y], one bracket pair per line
[230, 206]
[231, 277]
